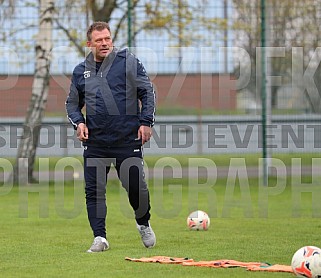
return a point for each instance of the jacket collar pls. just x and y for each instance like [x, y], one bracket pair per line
[91, 63]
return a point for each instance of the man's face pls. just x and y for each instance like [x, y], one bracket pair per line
[101, 44]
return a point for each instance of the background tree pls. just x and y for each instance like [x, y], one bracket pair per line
[23, 168]
[176, 18]
[292, 24]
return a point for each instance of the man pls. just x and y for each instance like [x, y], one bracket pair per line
[119, 99]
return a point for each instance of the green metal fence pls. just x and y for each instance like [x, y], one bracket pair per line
[190, 38]
[222, 57]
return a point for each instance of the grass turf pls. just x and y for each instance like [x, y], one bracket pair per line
[46, 234]
[222, 160]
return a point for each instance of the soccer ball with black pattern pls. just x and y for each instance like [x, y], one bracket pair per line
[198, 221]
[315, 266]
[306, 262]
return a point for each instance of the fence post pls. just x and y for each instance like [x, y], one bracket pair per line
[129, 23]
[265, 88]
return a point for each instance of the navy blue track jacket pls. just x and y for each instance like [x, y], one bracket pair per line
[118, 97]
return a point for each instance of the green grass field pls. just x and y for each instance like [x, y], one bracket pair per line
[151, 161]
[45, 233]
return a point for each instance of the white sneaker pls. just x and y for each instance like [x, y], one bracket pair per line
[100, 244]
[147, 234]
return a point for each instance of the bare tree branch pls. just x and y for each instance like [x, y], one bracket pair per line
[16, 31]
[71, 38]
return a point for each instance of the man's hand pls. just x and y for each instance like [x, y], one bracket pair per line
[82, 132]
[144, 133]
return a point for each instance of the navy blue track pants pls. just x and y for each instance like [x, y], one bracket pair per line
[128, 162]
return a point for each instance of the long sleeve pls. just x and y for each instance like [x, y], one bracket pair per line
[146, 94]
[74, 104]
